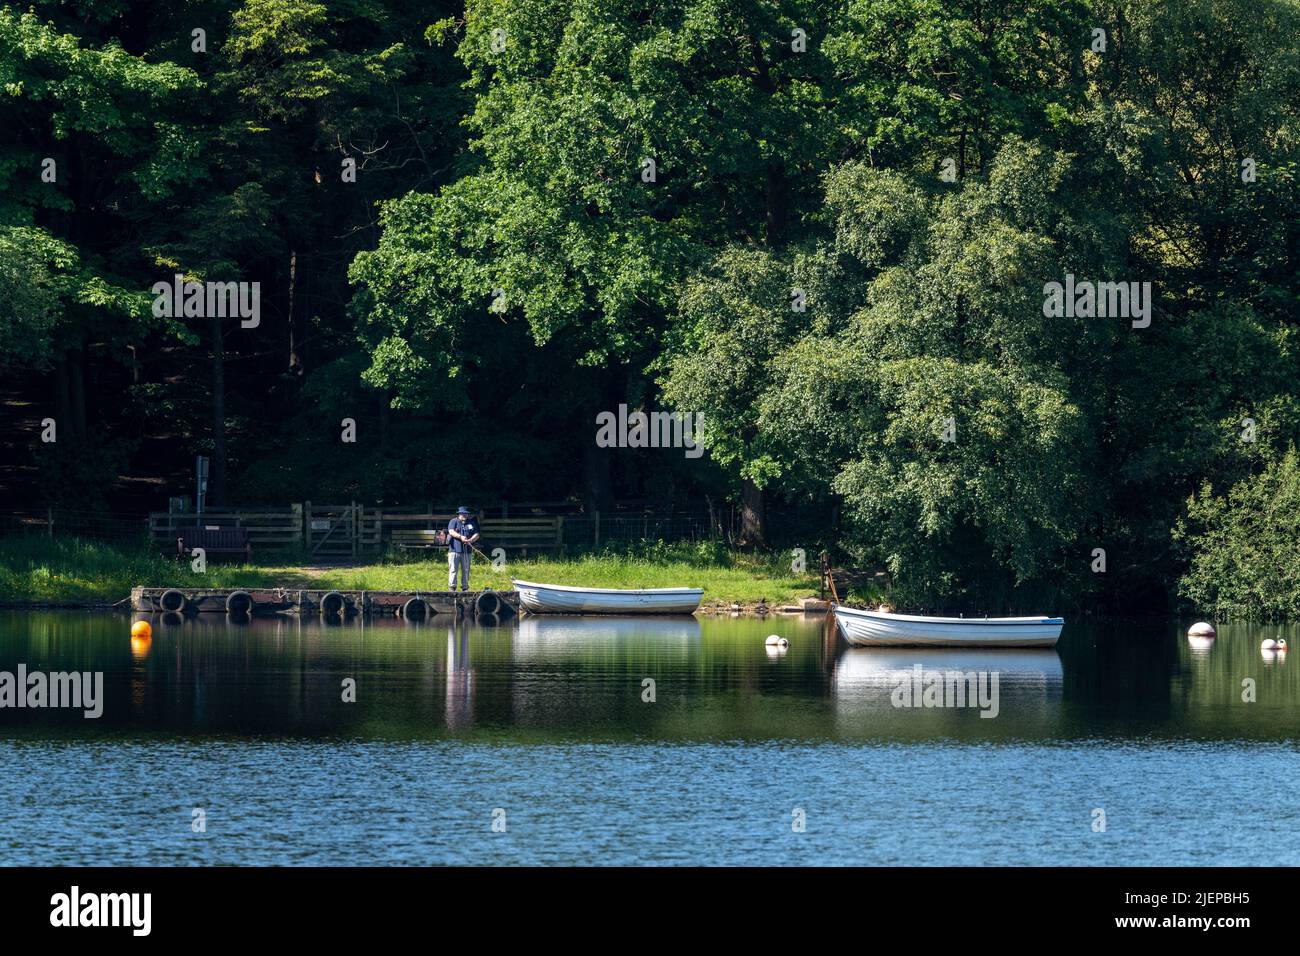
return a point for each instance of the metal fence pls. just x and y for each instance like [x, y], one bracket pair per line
[594, 531]
[349, 531]
[49, 522]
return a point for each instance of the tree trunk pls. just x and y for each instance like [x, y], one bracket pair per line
[217, 469]
[62, 404]
[777, 202]
[77, 396]
[597, 482]
[753, 519]
[609, 388]
[295, 364]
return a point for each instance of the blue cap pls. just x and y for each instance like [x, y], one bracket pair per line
[462, 510]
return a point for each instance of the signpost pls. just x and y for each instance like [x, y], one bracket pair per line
[201, 474]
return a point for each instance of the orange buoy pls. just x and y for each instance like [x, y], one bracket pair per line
[141, 629]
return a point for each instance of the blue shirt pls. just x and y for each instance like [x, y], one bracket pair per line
[468, 527]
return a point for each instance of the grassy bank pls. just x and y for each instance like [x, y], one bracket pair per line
[40, 570]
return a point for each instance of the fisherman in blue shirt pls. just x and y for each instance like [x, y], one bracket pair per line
[462, 532]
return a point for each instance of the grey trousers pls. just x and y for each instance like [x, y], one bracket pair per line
[458, 560]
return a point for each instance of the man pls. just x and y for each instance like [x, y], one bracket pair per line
[462, 532]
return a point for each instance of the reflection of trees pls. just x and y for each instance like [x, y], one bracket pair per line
[1206, 693]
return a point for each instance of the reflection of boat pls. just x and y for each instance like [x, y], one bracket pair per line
[542, 636]
[864, 668]
[557, 638]
[871, 681]
[559, 599]
[880, 629]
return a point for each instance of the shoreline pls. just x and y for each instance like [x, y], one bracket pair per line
[717, 608]
[76, 574]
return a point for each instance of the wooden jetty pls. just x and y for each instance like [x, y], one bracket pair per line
[410, 605]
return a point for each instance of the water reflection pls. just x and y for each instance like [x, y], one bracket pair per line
[551, 715]
[459, 710]
[683, 678]
[540, 637]
[867, 670]
[911, 691]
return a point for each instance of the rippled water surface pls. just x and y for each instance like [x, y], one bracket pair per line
[643, 741]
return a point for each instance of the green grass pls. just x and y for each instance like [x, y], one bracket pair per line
[42, 570]
[36, 570]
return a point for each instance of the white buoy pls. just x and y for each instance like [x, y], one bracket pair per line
[1201, 629]
[776, 640]
[1271, 645]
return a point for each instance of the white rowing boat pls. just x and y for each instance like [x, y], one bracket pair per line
[880, 629]
[559, 599]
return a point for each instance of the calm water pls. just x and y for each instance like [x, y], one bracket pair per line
[544, 723]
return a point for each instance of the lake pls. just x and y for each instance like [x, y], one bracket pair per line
[540, 742]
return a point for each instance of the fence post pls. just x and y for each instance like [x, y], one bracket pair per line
[296, 508]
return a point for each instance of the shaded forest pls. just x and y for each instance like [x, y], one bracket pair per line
[828, 227]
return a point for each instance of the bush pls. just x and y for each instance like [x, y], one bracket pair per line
[1243, 551]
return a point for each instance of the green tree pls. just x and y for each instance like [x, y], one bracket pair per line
[1243, 548]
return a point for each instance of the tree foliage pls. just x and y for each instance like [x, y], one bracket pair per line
[829, 226]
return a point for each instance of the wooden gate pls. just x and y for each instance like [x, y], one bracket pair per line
[340, 532]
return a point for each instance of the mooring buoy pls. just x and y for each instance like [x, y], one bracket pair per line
[776, 640]
[141, 629]
[1271, 645]
[1201, 629]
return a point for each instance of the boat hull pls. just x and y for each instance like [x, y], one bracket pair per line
[558, 599]
[877, 629]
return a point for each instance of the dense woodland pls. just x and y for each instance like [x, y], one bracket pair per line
[840, 260]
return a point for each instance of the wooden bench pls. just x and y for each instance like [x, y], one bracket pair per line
[415, 539]
[213, 541]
